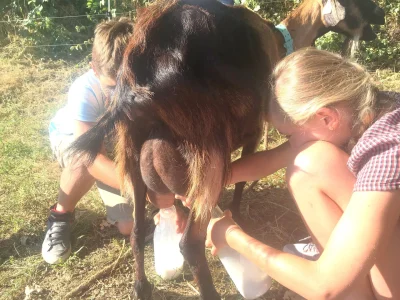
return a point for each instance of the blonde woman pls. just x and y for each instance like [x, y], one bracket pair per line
[343, 161]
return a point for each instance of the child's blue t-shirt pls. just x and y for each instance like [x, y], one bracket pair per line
[86, 103]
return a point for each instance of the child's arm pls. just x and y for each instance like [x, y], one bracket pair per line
[103, 168]
[261, 164]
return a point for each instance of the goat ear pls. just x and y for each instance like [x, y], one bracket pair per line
[333, 12]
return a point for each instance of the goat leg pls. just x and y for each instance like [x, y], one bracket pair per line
[265, 136]
[192, 247]
[248, 148]
[142, 287]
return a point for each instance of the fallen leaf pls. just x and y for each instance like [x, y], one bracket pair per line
[104, 224]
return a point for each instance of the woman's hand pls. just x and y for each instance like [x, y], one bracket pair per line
[185, 201]
[180, 221]
[218, 229]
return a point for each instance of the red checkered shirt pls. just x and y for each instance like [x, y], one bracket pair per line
[375, 160]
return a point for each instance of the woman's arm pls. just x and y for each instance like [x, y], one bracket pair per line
[256, 166]
[261, 164]
[363, 231]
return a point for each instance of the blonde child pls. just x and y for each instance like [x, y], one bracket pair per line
[343, 171]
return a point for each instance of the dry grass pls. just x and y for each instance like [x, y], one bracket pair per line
[388, 79]
[30, 93]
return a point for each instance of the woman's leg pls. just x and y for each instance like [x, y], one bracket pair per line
[306, 180]
[309, 185]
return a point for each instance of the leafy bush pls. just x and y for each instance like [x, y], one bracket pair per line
[40, 29]
[380, 53]
[31, 24]
[385, 50]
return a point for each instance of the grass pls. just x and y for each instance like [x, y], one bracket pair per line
[30, 94]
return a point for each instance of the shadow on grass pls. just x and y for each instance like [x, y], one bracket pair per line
[19, 245]
[270, 214]
[87, 235]
[165, 295]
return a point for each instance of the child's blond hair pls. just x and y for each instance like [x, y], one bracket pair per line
[310, 79]
[110, 41]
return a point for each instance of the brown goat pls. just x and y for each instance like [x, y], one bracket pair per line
[193, 87]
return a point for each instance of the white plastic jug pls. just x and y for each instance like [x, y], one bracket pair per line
[250, 280]
[168, 259]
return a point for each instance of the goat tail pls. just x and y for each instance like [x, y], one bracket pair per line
[89, 144]
[207, 176]
[126, 157]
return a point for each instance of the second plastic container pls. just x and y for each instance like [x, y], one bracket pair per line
[168, 259]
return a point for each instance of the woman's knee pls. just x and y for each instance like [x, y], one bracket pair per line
[313, 162]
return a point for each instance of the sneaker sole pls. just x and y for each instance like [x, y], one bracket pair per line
[58, 260]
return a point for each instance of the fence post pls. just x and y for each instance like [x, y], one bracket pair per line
[109, 10]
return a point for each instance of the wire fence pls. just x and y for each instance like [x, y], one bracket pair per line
[47, 18]
[20, 22]
[109, 14]
[54, 45]
[63, 17]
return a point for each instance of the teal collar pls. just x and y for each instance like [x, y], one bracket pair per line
[288, 38]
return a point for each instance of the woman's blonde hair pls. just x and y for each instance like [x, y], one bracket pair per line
[310, 79]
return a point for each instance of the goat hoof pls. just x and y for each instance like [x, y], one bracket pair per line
[142, 290]
[211, 296]
[241, 222]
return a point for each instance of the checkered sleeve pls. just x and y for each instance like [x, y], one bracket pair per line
[375, 160]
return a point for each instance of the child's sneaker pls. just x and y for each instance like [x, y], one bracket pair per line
[56, 246]
[308, 251]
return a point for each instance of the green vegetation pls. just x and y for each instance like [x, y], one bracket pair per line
[41, 29]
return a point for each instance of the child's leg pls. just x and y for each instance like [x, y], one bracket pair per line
[306, 179]
[75, 179]
[75, 182]
[119, 210]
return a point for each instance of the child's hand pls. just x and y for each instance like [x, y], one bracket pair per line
[180, 221]
[217, 231]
